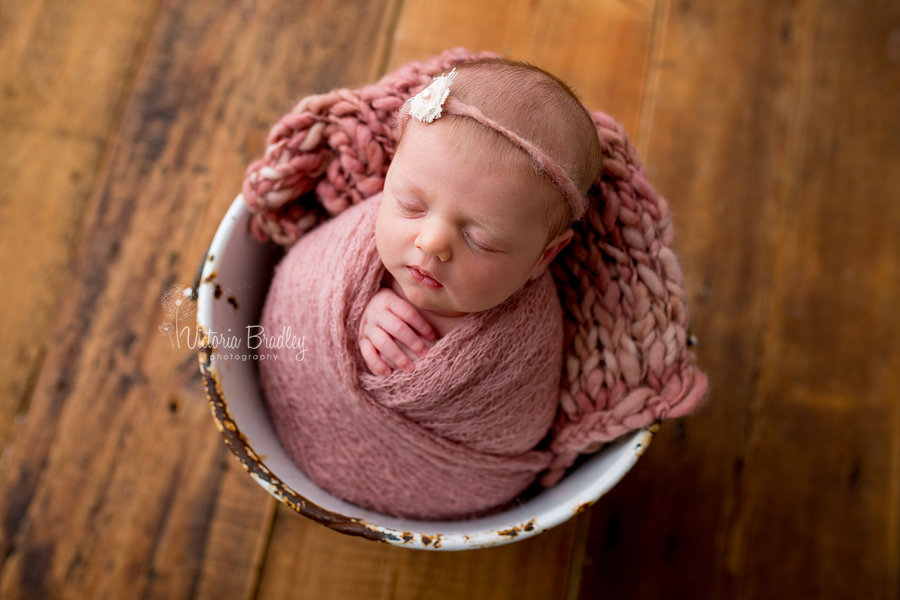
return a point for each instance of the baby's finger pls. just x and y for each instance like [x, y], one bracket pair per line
[373, 359]
[372, 332]
[397, 328]
[385, 344]
[411, 315]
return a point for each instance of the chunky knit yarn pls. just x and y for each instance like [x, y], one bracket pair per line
[452, 439]
[626, 359]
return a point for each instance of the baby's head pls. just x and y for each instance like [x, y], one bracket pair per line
[481, 199]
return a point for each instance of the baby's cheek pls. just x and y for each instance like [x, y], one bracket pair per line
[382, 239]
[388, 249]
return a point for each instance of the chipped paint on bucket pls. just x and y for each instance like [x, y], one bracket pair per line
[231, 287]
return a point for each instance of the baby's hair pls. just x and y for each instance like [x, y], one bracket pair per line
[535, 105]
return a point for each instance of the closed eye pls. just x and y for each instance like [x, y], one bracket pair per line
[480, 247]
[407, 208]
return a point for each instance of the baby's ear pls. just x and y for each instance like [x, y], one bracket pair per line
[553, 248]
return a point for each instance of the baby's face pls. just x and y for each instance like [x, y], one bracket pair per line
[458, 238]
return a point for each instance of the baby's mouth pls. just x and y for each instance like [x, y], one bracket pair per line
[424, 278]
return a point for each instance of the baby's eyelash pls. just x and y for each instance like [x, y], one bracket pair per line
[479, 246]
[406, 208]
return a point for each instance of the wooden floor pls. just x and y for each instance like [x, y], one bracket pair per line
[772, 127]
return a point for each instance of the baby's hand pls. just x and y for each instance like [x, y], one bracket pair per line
[388, 337]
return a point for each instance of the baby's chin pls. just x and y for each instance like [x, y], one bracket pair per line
[424, 303]
[428, 301]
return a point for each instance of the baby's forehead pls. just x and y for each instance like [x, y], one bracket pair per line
[471, 143]
[463, 145]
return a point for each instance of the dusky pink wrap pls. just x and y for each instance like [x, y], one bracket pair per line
[626, 359]
[453, 439]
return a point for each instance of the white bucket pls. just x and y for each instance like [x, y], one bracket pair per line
[232, 287]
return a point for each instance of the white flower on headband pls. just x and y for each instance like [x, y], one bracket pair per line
[426, 105]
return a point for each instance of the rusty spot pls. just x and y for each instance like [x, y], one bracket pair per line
[642, 447]
[232, 301]
[582, 508]
[406, 537]
[529, 526]
[218, 292]
[211, 258]
[426, 540]
[205, 353]
[210, 278]
[509, 532]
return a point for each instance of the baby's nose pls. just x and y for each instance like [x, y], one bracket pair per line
[435, 241]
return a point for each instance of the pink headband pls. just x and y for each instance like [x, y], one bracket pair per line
[429, 104]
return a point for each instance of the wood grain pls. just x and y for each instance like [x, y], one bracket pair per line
[784, 188]
[64, 71]
[538, 568]
[116, 485]
[772, 129]
[308, 560]
[827, 425]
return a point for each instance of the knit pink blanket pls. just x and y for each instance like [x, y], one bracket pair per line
[453, 439]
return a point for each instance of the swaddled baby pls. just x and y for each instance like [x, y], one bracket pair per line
[432, 328]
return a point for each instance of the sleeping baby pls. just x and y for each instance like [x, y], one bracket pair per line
[434, 333]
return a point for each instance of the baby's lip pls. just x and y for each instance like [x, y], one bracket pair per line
[424, 277]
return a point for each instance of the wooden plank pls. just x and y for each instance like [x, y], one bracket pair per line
[825, 441]
[308, 560]
[235, 550]
[784, 188]
[64, 67]
[599, 47]
[115, 486]
[538, 568]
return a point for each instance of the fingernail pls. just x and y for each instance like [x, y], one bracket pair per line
[409, 367]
